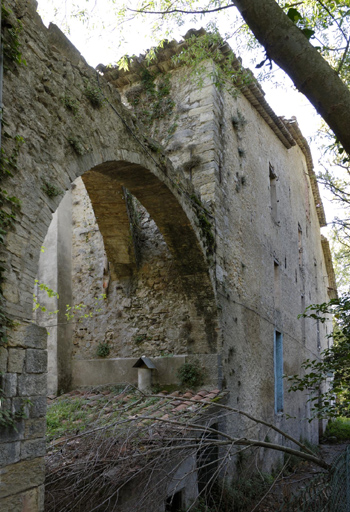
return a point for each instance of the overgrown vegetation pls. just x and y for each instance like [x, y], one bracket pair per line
[65, 416]
[50, 189]
[328, 378]
[191, 374]
[94, 94]
[77, 144]
[100, 440]
[152, 100]
[103, 349]
[71, 104]
[11, 27]
[238, 496]
[9, 206]
[338, 430]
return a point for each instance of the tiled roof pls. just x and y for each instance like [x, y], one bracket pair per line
[112, 439]
[108, 405]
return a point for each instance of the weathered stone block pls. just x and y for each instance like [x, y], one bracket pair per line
[28, 501]
[36, 361]
[26, 335]
[9, 453]
[31, 384]
[200, 111]
[3, 359]
[35, 428]
[9, 384]
[36, 337]
[11, 434]
[16, 478]
[37, 409]
[16, 358]
[33, 448]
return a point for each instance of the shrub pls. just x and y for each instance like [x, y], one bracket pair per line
[103, 349]
[190, 374]
[338, 428]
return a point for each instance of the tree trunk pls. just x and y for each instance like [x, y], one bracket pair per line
[312, 75]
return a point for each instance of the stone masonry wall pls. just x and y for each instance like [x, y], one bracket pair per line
[61, 144]
[243, 253]
[153, 317]
[269, 259]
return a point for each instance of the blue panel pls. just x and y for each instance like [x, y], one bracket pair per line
[278, 364]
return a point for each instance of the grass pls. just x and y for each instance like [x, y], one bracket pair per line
[65, 416]
[339, 429]
[68, 415]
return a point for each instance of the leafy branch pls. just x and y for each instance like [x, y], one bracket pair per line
[328, 378]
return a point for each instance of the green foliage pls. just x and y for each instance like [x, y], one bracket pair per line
[238, 120]
[329, 376]
[74, 312]
[71, 104]
[9, 206]
[103, 349]
[191, 374]
[139, 338]
[9, 417]
[151, 99]
[338, 429]
[65, 416]
[11, 27]
[94, 94]
[51, 190]
[78, 145]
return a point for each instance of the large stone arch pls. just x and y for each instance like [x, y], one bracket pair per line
[102, 143]
[106, 185]
[160, 196]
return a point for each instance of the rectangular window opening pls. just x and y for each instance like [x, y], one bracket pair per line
[278, 363]
[273, 192]
[277, 284]
[174, 503]
[300, 245]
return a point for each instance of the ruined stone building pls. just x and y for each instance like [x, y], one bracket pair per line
[193, 209]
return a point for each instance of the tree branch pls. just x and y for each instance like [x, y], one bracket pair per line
[181, 11]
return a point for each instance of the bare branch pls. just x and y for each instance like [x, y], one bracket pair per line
[181, 11]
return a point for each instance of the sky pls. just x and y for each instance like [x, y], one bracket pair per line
[100, 40]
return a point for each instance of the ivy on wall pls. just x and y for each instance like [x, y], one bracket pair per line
[151, 99]
[9, 205]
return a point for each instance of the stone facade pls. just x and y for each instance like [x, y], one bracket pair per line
[207, 242]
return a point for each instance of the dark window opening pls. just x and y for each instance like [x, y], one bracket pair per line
[174, 503]
[277, 285]
[207, 462]
[300, 245]
[273, 192]
[278, 363]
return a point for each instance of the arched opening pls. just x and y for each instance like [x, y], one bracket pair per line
[121, 244]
